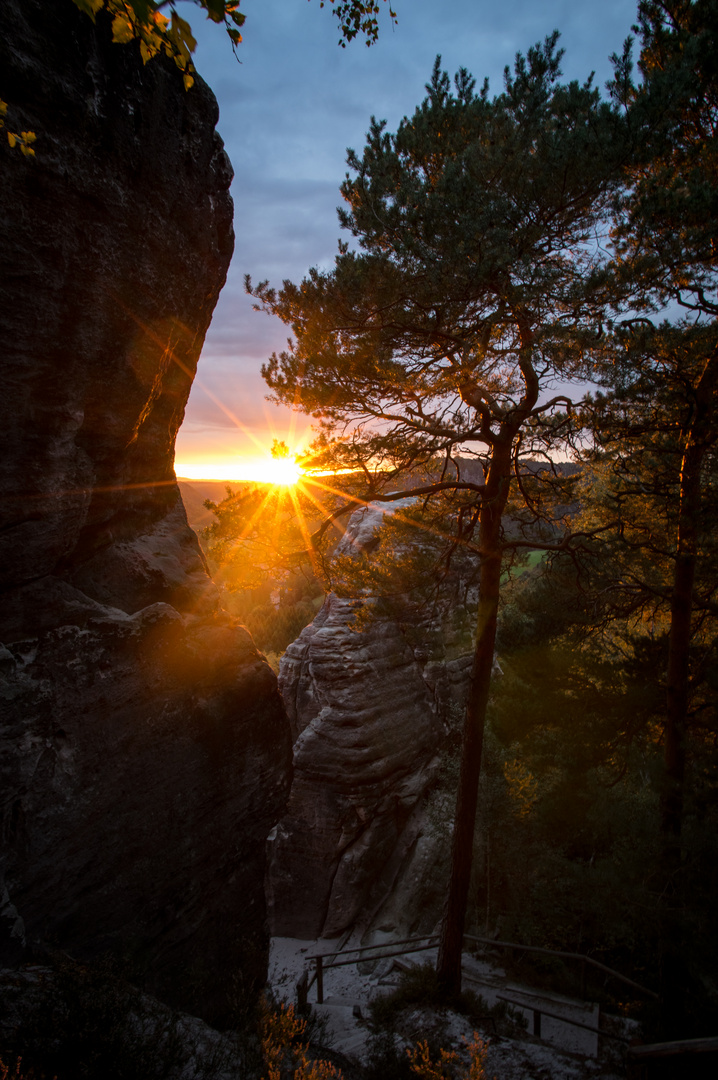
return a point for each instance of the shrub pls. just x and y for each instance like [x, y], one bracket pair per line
[419, 987]
[448, 1065]
[284, 1050]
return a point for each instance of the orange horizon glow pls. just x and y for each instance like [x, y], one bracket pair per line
[286, 474]
[282, 471]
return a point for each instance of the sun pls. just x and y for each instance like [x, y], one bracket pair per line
[282, 471]
[264, 469]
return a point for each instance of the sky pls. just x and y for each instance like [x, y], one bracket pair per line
[288, 112]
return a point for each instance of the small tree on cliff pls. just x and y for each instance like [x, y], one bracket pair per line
[449, 329]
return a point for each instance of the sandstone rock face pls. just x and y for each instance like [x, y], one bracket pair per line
[144, 749]
[368, 708]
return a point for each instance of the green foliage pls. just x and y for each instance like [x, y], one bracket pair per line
[422, 328]
[407, 575]
[272, 628]
[358, 17]
[386, 1058]
[568, 849]
[254, 527]
[252, 549]
[666, 217]
[269, 531]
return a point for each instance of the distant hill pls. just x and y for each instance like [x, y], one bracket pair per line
[194, 492]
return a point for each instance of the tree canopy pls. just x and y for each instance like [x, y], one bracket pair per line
[468, 295]
[472, 295]
[654, 430]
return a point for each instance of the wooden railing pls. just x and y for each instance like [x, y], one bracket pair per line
[410, 945]
[585, 962]
[695, 1058]
[538, 1012]
[324, 961]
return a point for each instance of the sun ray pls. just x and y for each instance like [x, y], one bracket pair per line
[310, 549]
[432, 530]
[101, 488]
[322, 509]
[290, 478]
[255, 515]
[154, 336]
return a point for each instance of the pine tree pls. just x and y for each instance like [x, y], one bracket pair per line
[468, 298]
[656, 427]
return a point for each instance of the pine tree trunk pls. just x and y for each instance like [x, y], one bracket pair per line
[448, 967]
[673, 975]
[697, 440]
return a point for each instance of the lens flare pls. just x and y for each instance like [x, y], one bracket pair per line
[283, 471]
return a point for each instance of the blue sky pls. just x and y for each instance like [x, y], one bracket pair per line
[288, 112]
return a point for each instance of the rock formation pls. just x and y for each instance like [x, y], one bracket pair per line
[144, 750]
[368, 707]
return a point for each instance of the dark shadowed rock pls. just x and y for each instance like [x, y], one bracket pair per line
[144, 750]
[369, 708]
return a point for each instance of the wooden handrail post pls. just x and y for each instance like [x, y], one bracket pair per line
[320, 981]
[303, 994]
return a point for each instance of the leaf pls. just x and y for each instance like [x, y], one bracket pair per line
[188, 81]
[185, 31]
[29, 136]
[142, 9]
[12, 138]
[235, 35]
[27, 150]
[122, 30]
[215, 9]
[90, 7]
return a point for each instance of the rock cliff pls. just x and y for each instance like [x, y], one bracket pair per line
[144, 750]
[369, 707]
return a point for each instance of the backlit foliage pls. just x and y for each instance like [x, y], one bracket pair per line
[8, 1073]
[358, 18]
[284, 1051]
[23, 139]
[449, 1066]
[145, 21]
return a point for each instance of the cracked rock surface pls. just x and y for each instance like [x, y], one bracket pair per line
[369, 708]
[144, 749]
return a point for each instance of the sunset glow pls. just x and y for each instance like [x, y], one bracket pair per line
[258, 470]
